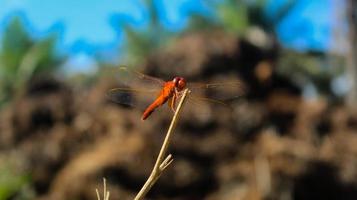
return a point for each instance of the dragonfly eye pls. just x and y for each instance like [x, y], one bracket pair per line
[181, 84]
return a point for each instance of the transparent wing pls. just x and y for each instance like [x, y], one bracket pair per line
[208, 100]
[134, 79]
[132, 97]
[197, 100]
[217, 92]
[202, 109]
[135, 89]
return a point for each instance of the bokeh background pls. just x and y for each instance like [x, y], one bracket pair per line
[292, 136]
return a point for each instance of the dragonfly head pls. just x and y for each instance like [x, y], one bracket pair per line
[180, 83]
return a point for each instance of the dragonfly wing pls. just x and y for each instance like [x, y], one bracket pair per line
[207, 100]
[200, 106]
[202, 109]
[132, 97]
[134, 79]
[198, 100]
[135, 89]
[217, 92]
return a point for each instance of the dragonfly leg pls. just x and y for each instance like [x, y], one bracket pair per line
[173, 103]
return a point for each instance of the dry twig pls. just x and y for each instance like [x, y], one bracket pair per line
[105, 192]
[161, 163]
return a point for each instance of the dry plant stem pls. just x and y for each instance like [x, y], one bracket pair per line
[106, 193]
[161, 163]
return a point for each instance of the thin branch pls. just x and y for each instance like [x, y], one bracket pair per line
[106, 193]
[168, 160]
[161, 163]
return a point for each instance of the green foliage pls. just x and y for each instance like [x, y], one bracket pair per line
[238, 15]
[12, 182]
[316, 68]
[230, 15]
[199, 22]
[233, 15]
[15, 42]
[140, 43]
[22, 58]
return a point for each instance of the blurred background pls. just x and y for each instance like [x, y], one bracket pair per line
[292, 136]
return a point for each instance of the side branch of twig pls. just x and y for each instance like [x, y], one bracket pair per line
[161, 163]
[106, 193]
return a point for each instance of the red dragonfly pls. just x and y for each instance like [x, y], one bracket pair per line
[135, 85]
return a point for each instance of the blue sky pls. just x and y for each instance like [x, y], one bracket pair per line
[310, 24]
[86, 26]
